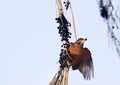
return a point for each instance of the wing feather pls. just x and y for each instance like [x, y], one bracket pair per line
[86, 64]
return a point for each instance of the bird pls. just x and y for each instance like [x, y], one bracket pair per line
[81, 58]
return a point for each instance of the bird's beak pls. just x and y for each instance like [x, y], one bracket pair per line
[83, 40]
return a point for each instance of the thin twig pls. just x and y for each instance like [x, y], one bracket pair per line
[73, 21]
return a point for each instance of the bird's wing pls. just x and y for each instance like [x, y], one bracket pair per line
[86, 64]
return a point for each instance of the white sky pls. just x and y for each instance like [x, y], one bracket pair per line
[30, 44]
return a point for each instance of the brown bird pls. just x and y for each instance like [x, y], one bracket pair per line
[81, 58]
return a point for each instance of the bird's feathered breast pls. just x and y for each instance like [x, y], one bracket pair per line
[74, 50]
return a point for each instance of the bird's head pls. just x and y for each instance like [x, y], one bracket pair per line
[81, 41]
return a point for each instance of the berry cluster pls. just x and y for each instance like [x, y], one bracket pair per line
[63, 59]
[65, 35]
[63, 28]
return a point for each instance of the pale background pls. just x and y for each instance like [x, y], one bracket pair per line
[30, 44]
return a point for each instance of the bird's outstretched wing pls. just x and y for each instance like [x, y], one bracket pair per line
[85, 64]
